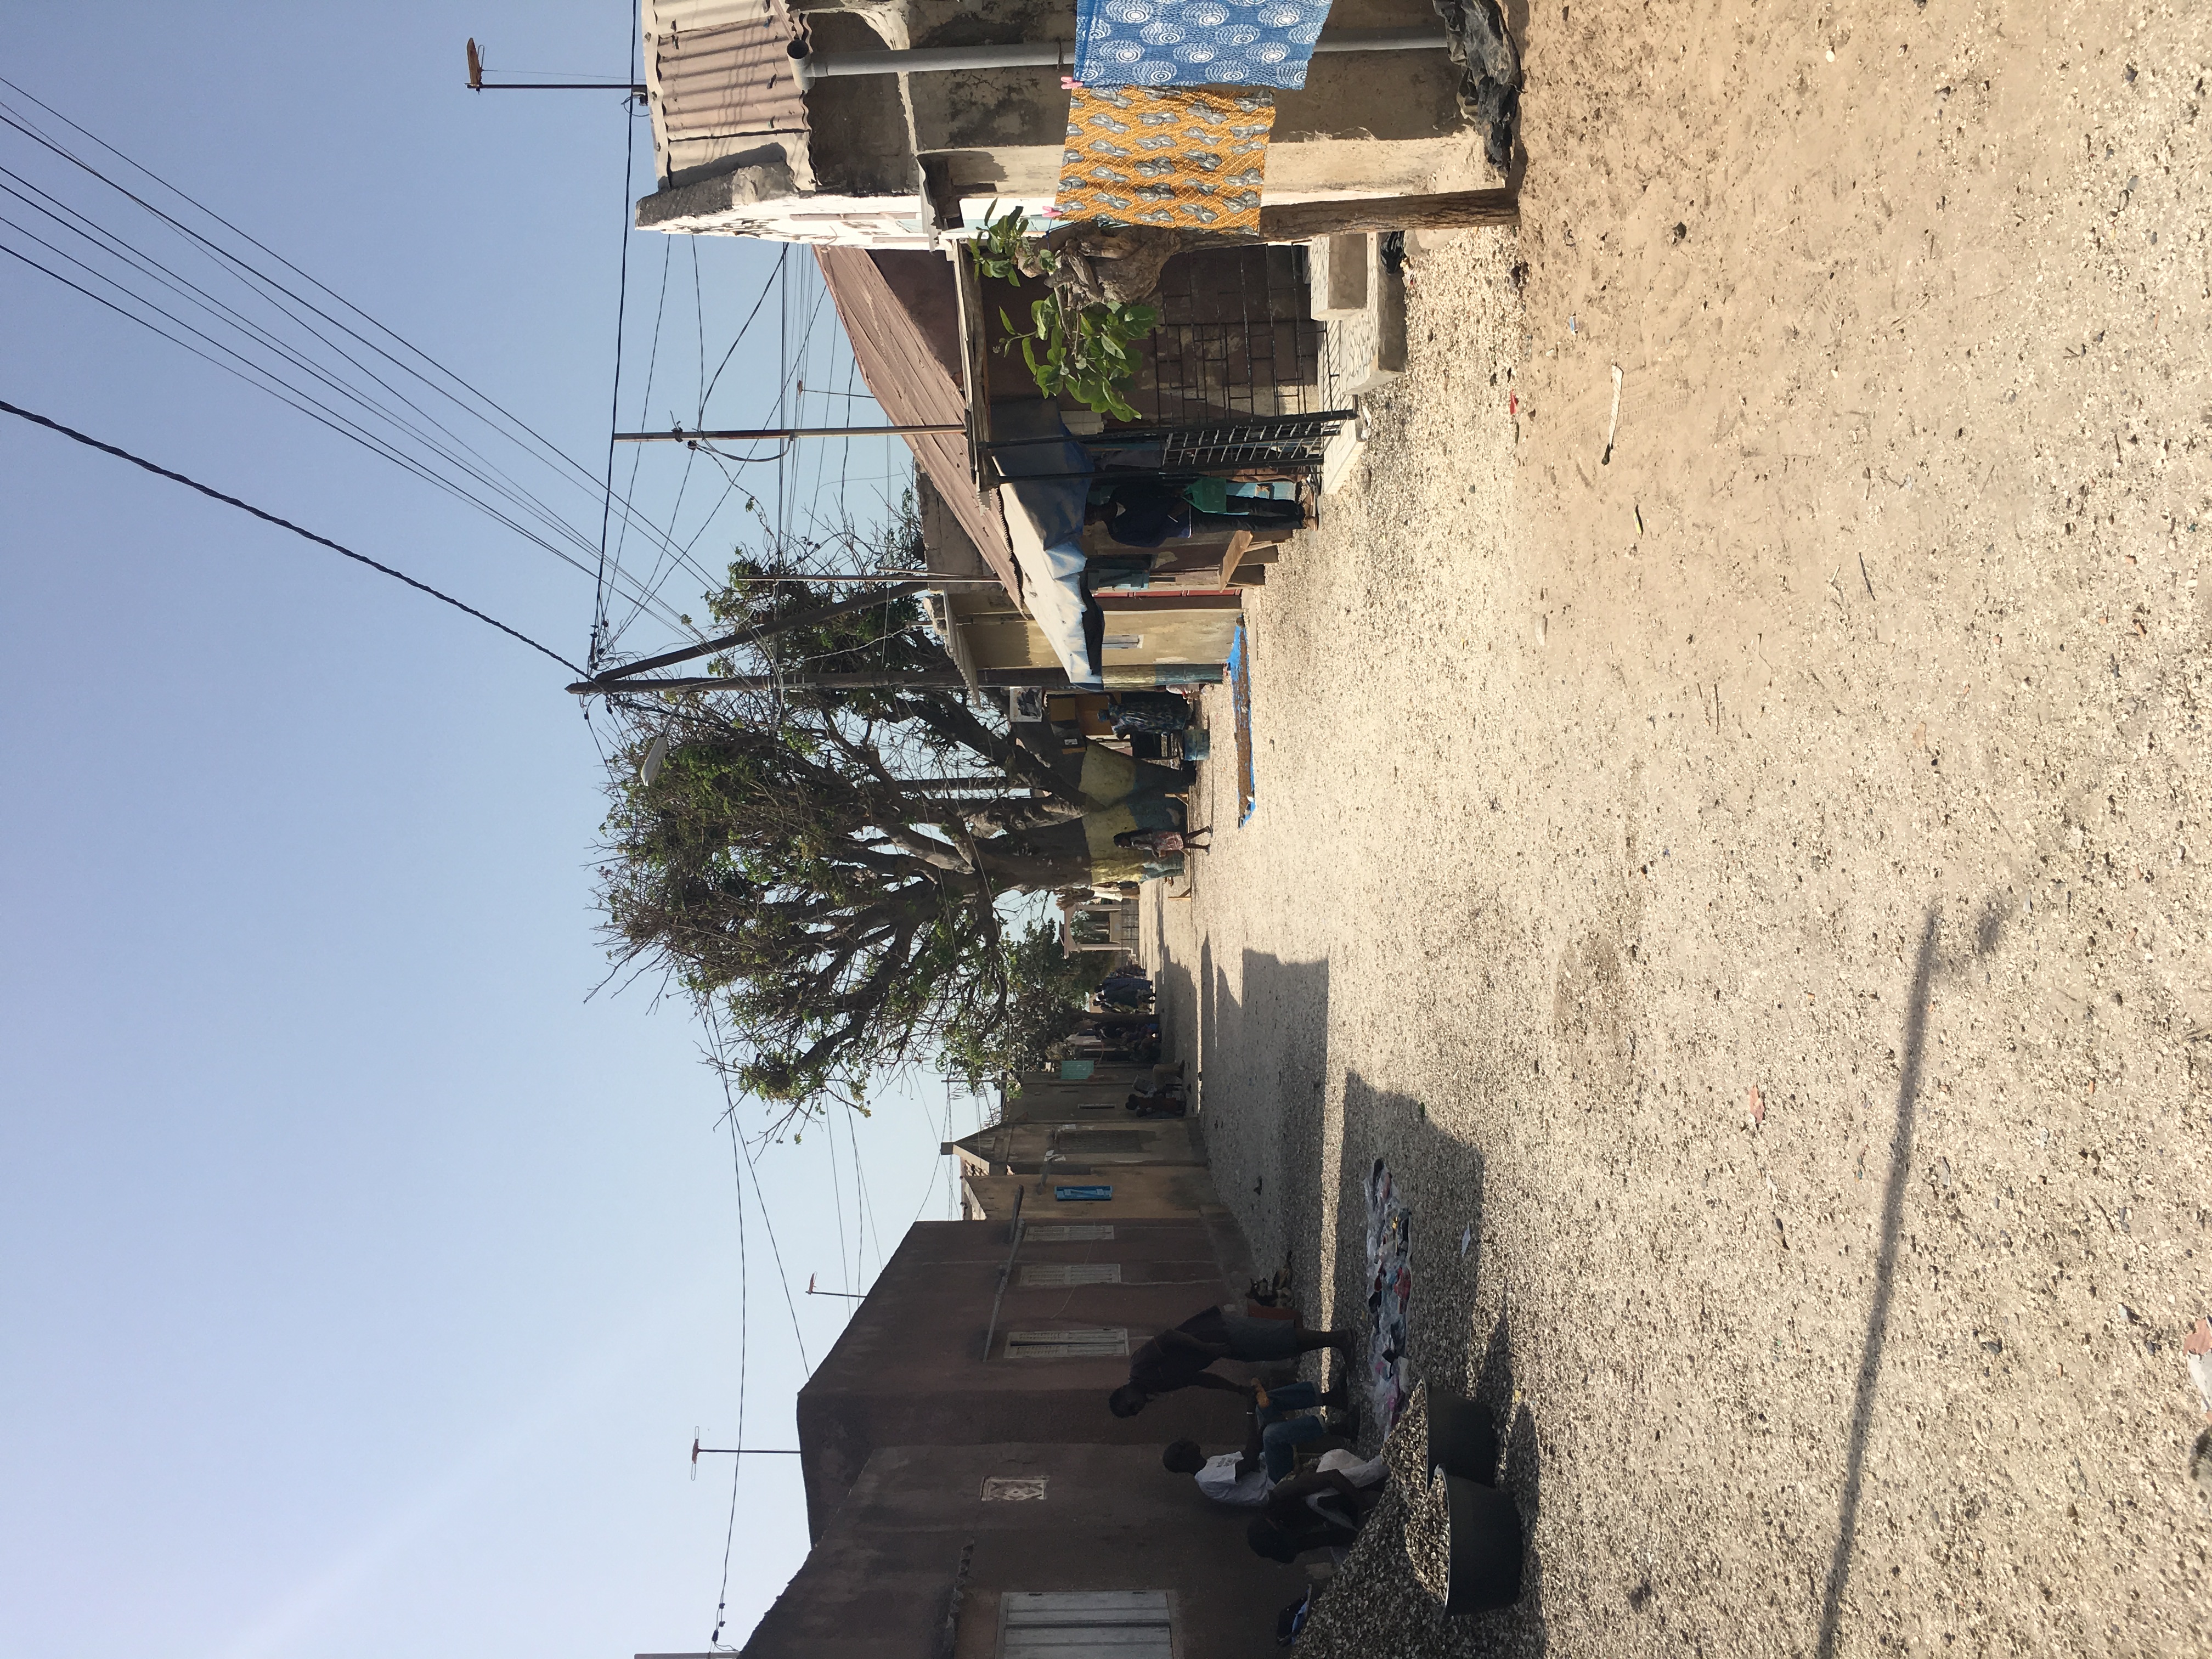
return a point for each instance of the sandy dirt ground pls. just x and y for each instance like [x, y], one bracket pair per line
[1751, 889]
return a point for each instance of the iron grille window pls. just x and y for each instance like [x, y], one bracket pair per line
[1048, 1273]
[1084, 1342]
[1054, 1233]
[1085, 1624]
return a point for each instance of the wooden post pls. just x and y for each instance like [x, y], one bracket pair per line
[1303, 221]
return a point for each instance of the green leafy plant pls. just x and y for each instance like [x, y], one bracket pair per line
[1087, 351]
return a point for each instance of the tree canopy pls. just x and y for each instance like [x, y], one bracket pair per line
[824, 867]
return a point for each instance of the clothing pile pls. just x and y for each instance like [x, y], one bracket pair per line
[1390, 1289]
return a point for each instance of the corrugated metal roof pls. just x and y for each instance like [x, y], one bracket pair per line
[717, 78]
[904, 375]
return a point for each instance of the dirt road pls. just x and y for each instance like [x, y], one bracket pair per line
[1753, 888]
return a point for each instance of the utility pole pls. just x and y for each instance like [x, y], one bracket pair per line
[618, 679]
[925, 679]
[768, 433]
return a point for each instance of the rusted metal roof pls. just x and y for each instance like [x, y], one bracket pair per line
[905, 375]
[717, 78]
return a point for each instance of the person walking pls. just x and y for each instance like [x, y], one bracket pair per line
[1179, 1358]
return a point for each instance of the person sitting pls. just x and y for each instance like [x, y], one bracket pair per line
[1244, 1479]
[1160, 1095]
[1179, 1358]
[1321, 1510]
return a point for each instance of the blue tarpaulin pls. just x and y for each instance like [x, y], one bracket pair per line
[1196, 43]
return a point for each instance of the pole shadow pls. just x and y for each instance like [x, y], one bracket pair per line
[1926, 965]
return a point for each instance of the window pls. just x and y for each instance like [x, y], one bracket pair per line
[1013, 1488]
[1054, 1233]
[1078, 1142]
[1083, 1342]
[1071, 1273]
[1081, 1623]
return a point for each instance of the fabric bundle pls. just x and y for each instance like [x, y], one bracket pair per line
[1179, 158]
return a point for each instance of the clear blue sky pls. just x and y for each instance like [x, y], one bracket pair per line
[363, 1282]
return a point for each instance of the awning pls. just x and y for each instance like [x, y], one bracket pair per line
[1044, 521]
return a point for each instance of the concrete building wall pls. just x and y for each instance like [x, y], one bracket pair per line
[910, 1369]
[879, 1582]
[1140, 1193]
[1095, 1141]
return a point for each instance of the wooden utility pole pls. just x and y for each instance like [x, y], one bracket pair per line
[616, 679]
[768, 433]
[923, 679]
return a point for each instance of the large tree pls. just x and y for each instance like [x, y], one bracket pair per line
[825, 866]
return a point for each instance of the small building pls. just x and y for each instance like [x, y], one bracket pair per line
[747, 142]
[970, 1337]
[783, 120]
[1065, 1151]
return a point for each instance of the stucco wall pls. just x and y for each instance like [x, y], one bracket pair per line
[909, 1371]
[879, 1584]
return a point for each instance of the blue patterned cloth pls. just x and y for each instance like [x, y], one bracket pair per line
[1196, 43]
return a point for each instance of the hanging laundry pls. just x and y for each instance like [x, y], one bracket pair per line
[1185, 158]
[1196, 43]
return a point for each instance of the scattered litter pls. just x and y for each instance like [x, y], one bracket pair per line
[1466, 1239]
[1572, 327]
[2198, 1348]
[1757, 1105]
[1639, 520]
[1613, 425]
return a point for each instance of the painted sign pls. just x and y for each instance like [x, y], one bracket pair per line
[1083, 1195]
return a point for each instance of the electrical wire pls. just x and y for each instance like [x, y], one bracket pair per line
[297, 309]
[614, 410]
[285, 524]
[745, 1326]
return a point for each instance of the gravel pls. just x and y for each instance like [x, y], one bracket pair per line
[1756, 885]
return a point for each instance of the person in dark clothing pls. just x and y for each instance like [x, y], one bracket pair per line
[1278, 1430]
[1155, 1106]
[1179, 1358]
[1312, 1511]
[1144, 513]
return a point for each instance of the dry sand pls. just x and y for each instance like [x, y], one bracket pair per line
[1779, 934]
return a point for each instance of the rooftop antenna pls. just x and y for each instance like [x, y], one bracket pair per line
[699, 1451]
[857, 1295]
[478, 83]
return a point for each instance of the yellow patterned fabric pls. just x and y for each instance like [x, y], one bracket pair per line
[1190, 158]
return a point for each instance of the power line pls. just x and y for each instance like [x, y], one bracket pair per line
[745, 1326]
[268, 289]
[614, 413]
[284, 524]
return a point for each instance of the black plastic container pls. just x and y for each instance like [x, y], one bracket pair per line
[1463, 1439]
[1485, 1547]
